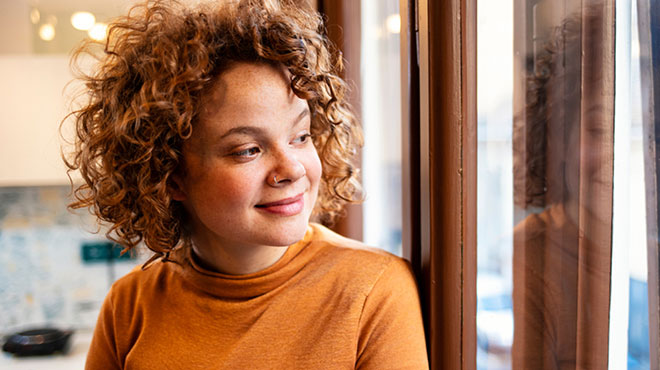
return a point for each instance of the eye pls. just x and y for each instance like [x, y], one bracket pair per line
[247, 153]
[302, 138]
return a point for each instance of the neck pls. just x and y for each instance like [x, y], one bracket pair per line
[235, 259]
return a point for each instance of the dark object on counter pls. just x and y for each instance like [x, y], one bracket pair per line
[36, 342]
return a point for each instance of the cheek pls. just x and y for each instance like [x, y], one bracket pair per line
[218, 186]
[236, 186]
[313, 168]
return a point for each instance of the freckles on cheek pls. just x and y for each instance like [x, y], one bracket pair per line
[315, 167]
[236, 188]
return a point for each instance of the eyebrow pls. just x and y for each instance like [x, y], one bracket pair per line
[251, 130]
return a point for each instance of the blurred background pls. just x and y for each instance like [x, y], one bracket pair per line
[54, 269]
[56, 266]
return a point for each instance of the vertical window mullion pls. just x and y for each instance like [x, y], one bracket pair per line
[649, 22]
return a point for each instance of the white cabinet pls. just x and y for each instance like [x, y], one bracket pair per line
[33, 102]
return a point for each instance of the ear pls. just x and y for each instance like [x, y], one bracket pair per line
[175, 187]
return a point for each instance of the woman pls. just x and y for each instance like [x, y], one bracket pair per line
[213, 135]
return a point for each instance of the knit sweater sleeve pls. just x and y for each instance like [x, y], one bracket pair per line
[103, 350]
[391, 331]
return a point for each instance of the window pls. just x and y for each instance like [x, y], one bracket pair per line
[549, 138]
[561, 187]
[381, 118]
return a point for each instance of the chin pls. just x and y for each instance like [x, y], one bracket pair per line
[287, 233]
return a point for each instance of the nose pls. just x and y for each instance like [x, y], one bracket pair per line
[287, 169]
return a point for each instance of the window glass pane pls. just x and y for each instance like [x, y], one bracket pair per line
[629, 324]
[381, 118]
[495, 187]
[561, 186]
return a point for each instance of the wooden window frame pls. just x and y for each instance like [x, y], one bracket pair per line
[343, 23]
[440, 167]
[439, 145]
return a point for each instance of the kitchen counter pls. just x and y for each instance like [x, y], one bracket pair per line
[73, 360]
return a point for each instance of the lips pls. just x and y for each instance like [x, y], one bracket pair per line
[284, 207]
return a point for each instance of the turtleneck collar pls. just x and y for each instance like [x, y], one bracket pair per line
[247, 286]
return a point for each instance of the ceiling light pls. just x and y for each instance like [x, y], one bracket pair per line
[98, 31]
[393, 23]
[47, 32]
[52, 20]
[83, 20]
[35, 16]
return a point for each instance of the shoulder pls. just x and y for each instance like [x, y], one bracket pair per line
[357, 262]
[141, 282]
[538, 225]
[342, 244]
[345, 247]
[389, 307]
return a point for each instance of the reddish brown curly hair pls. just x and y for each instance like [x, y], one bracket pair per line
[144, 99]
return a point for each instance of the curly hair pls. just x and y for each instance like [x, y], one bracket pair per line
[552, 94]
[144, 99]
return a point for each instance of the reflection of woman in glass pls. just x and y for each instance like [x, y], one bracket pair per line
[212, 135]
[562, 167]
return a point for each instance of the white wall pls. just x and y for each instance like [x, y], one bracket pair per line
[33, 101]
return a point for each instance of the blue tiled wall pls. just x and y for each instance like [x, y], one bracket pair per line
[43, 279]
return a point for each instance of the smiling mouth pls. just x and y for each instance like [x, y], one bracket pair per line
[284, 207]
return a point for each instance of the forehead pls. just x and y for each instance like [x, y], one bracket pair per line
[250, 89]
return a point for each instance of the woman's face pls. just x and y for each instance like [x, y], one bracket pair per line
[250, 172]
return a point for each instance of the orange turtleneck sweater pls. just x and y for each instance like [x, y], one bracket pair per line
[328, 303]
